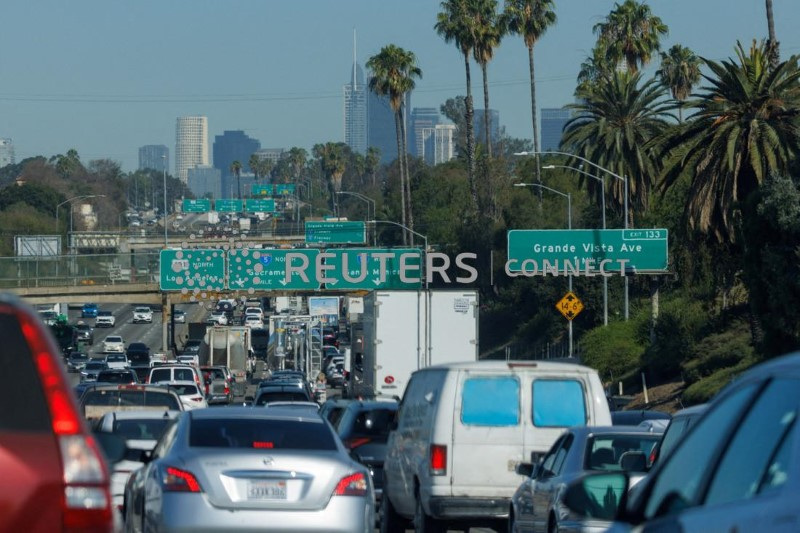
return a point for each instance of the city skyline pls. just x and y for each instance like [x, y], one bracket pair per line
[293, 98]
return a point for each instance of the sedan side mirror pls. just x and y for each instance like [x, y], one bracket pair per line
[524, 469]
[600, 496]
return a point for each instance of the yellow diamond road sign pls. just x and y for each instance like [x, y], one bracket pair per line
[569, 306]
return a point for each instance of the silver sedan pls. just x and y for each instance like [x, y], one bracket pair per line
[247, 469]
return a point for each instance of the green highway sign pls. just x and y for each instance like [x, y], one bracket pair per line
[583, 251]
[371, 277]
[192, 269]
[262, 269]
[260, 189]
[228, 206]
[202, 205]
[284, 188]
[336, 232]
[259, 205]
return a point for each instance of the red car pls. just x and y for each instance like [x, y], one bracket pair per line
[55, 476]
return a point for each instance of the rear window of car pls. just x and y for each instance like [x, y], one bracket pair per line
[215, 373]
[184, 390]
[115, 358]
[113, 339]
[147, 429]
[613, 452]
[22, 386]
[490, 401]
[558, 403]
[160, 374]
[281, 396]
[131, 398]
[373, 423]
[115, 377]
[261, 433]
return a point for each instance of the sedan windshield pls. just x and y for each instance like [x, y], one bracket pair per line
[620, 452]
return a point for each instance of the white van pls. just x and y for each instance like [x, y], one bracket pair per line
[463, 427]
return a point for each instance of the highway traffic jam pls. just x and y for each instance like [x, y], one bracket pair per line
[269, 417]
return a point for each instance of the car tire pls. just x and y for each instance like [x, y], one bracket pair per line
[424, 523]
[391, 522]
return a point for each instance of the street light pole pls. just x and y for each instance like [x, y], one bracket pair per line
[369, 201]
[603, 201]
[166, 211]
[568, 196]
[617, 176]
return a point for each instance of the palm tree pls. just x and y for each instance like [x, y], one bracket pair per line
[236, 170]
[333, 162]
[594, 68]
[680, 71]
[489, 32]
[454, 24]
[265, 167]
[255, 165]
[744, 128]
[372, 161]
[631, 33]
[297, 159]
[530, 19]
[392, 74]
[612, 126]
[772, 43]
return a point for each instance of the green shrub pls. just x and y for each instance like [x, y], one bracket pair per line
[717, 351]
[703, 390]
[614, 350]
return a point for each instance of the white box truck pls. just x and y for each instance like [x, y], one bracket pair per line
[229, 346]
[404, 331]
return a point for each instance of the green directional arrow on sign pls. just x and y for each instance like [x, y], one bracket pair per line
[253, 268]
[383, 268]
[347, 232]
[201, 205]
[228, 206]
[190, 270]
[259, 205]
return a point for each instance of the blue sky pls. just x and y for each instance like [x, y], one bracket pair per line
[107, 76]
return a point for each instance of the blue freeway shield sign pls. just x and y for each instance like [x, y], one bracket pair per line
[345, 232]
[265, 269]
[192, 270]
[201, 205]
[228, 206]
[375, 268]
[259, 205]
[587, 250]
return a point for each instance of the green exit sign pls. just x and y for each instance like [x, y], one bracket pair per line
[192, 269]
[228, 206]
[336, 232]
[201, 205]
[259, 205]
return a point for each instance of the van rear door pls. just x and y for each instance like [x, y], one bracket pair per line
[487, 434]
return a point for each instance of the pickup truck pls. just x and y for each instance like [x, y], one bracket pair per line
[143, 314]
[103, 399]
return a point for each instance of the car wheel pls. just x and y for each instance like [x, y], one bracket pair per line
[424, 523]
[512, 522]
[391, 522]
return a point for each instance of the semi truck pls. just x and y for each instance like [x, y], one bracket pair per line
[403, 331]
[228, 346]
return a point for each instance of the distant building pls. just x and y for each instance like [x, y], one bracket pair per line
[494, 126]
[553, 120]
[380, 126]
[273, 154]
[421, 118]
[229, 147]
[355, 111]
[7, 152]
[439, 144]
[203, 180]
[191, 145]
[154, 156]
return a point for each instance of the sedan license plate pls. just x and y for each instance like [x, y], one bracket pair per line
[266, 490]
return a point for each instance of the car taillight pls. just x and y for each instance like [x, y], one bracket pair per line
[352, 485]
[355, 442]
[227, 390]
[177, 480]
[197, 399]
[438, 460]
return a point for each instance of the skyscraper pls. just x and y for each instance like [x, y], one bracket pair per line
[229, 147]
[553, 120]
[7, 152]
[191, 145]
[439, 144]
[355, 108]
[380, 126]
[154, 156]
[205, 180]
[421, 118]
[494, 126]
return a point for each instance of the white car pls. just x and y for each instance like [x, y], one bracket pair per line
[117, 361]
[179, 316]
[105, 319]
[256, 311]
[141, 430]
[191, 395]
[114, 344]
[218, 317]
[142, 314]
[254, 321]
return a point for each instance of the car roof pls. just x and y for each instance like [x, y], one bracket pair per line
[144, 414]
[589, 431]
[241, 412]
[511, 365]
[691, 411]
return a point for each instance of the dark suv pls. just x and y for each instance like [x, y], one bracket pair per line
[84, 332]
[54, 475]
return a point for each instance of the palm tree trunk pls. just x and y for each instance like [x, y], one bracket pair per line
[772, 47]
[239, 185]
[409, 213]
[487, 119]
[470, 139]
[533, 116]
[399, 133]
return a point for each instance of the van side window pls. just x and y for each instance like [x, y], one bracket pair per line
[490, 401]
[558, 403]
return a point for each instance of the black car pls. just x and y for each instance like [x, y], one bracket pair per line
[138, 354]
[364, 428]
[84, 332]
[282, 392]
[116, 375]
